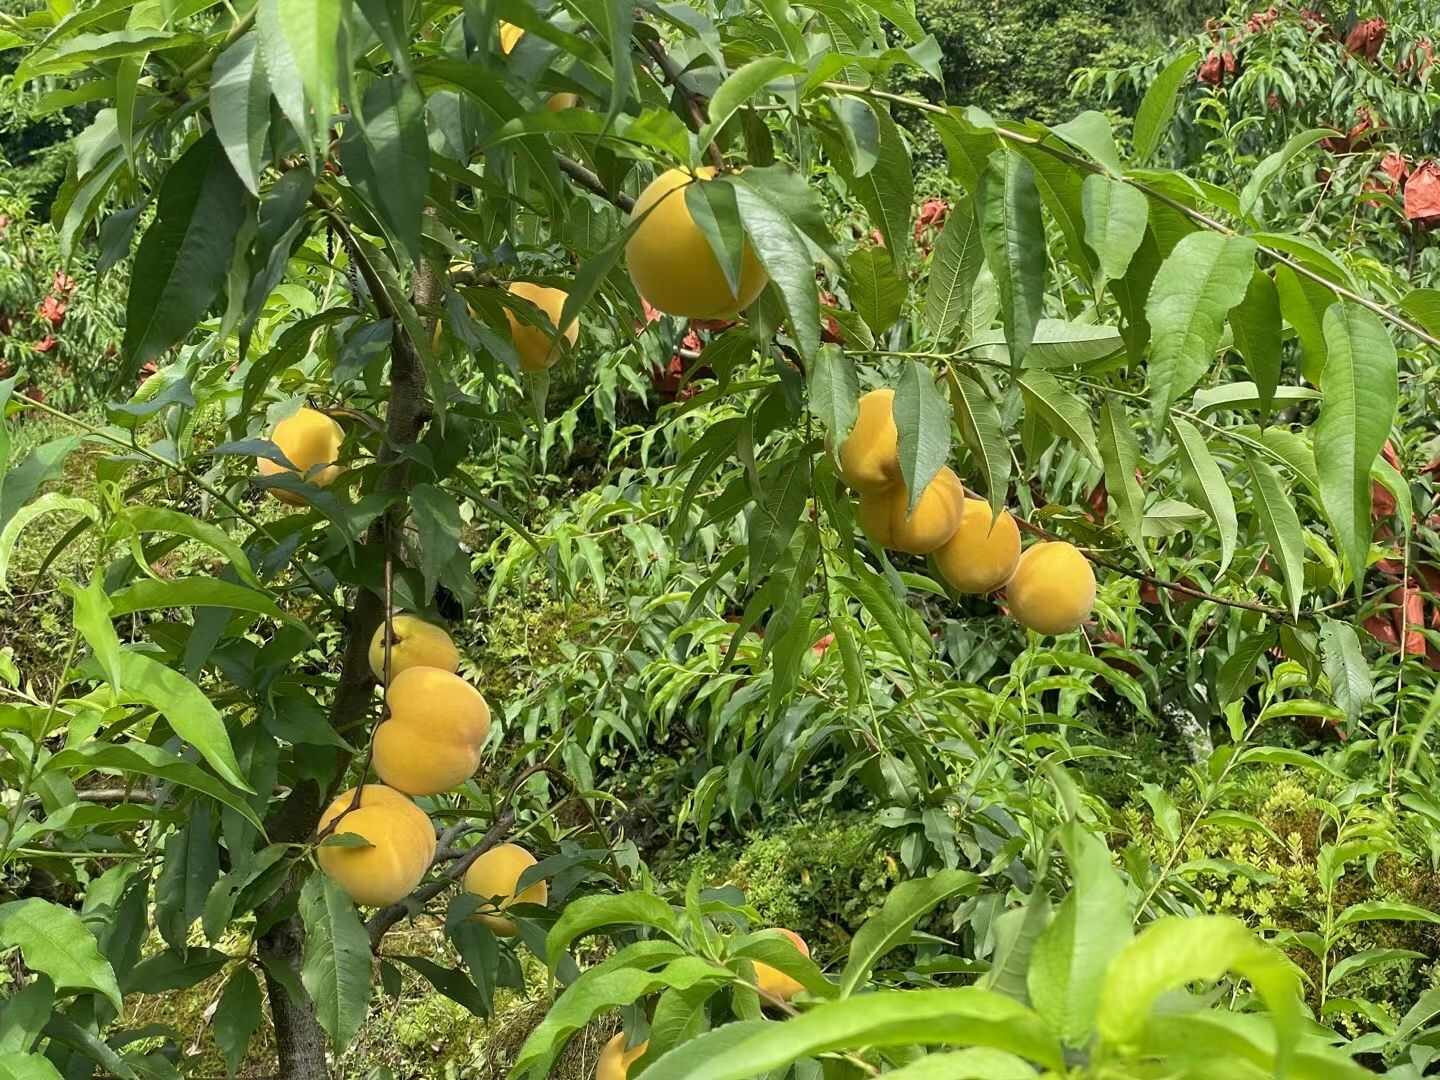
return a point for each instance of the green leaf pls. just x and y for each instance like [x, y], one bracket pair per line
[1361, 387]
[957, 262]
[1366, 959]
[172, 970]
[1275, 505]
[1120, 453]
[24, 515]
[1351, 687]
[1091, 925]
[1171, 952]
[963, 1016]
[922, 419]
[1091, 132]
[145, 760]
[742, 84]
[437, 519]
[887, 191]
[303, 39]
[876, 293]
[1013, 234]
[187, 709]
[776, 514]
[1116, 214]
[1255, 322]
[891, 926]
[976, 1063]
[1385, 911]
[27, 1067]
[185, 254]
[336, 968]
[397, 151]
[1269, 169]
[1423, 305]
[1062, 412]
[1303, 302]
[783, 253]
[1206, 483]
[191, 867]
[150, 594]
[1238, 671]
[92, 615]
[984, 435]
[590, 913]
[1157, 108]
[834, 392]
[237, 1017]
[23, 1017]
[148, 519]
[240, 108]
[53, 941]
[713, 207]
[388, 19]
[1202, 279]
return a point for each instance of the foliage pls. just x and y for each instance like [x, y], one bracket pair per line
[659, 574]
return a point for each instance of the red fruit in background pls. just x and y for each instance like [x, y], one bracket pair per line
[648, 315]
[146, 370]
[6, 370]
[930, 219]
[1394, 166]
[46, 344]
[34, 393]
[52, 309]
[62, 282]
[4, 222]
[823, 644]
[1420, 59]
[1260, 21]
[877, 238]
[1422, 195]
[1365, 38]
[714, 326]
[1149, 593]
[1382, 629]
[1273, 102]
[1359, 136]
[1411, 613]
[1313, 20]
[830, 330]
[1099, 501]
[5, 324]
[1212, 71]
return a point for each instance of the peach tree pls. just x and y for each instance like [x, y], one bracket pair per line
[370, 243]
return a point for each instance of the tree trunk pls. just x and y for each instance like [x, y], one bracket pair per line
[299, 1039]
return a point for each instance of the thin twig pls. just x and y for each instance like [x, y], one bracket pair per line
[673, 76]
[1197, 216]
[1160, 583]
[588, 180]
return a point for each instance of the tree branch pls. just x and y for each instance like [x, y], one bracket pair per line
[674, 77]
[588, 180]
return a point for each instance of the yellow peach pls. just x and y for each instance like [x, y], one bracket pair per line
[776, 983]
[510, 36]
[671, 262]
[561, 101]
[416, 643]
[309, 439]
[980, 558]
[615, 1060]
[870, 454]
[885, 518]
[1053, 589]
[432, 739]
[402, 845]
[536, 349]
[495, 874]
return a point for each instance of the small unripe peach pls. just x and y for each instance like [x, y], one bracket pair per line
[885, 517]
[870, 454]
[615, 1060]
[1053, 589]
[416, 643]
[776, 983]
[402, 845]
[495, 874]
[980, 557]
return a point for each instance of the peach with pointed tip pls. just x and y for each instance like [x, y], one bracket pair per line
[495, 874]
[1053, 589]
[980, 557]
[538, 351]
[309, 439]
[886, 518]
[416, 643]
[776, 983]
[615, 1060]
[432, 739]
[510, 36]
[870, 454]
[671, 262]
[402, 845]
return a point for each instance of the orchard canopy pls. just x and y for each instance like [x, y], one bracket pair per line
[536, 450]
